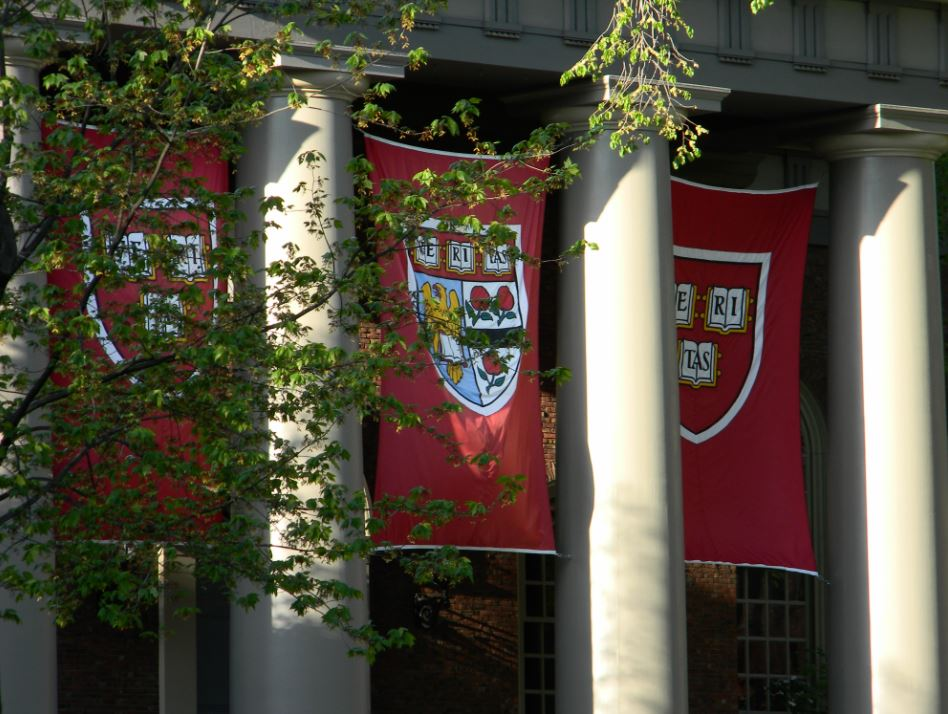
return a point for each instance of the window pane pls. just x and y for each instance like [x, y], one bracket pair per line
[778, 621]
[755, 583]
[798, 621]
[549, 673]
[533, 567]
[757, 694]
[797, 657]
[777, 585]
[548, 566]
[534, 600]
[796, 587]
[533, 704]
[758, 658]
[755, 620]
[531, 638]
[778, 657]
[549, 604]
[532, 673]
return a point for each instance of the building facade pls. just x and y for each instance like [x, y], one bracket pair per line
[850, 94]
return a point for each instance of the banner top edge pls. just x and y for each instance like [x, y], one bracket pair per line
[436, 152]
[765, 192]
[525, 551]
[802, 571]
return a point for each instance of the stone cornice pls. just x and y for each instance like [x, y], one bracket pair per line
[572, 104]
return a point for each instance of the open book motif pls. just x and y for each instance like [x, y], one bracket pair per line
[726, 309]
[697, 362]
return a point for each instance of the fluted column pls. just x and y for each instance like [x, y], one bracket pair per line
[620, 617]
[28, 649]
[281, 662]
[887, 470]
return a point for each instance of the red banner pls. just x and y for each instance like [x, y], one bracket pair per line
[456, 289]
[115, 306]
[739, 260]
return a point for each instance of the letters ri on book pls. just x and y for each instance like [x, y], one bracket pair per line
[725, 310]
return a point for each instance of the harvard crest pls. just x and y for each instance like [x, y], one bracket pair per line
[456, 290]
[145, 283]
[720, 300]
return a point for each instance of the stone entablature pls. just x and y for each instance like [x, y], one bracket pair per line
[837, 53]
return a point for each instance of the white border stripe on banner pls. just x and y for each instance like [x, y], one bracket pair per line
[437, 152]
[525, 551]
[814, 573]
[792, 189]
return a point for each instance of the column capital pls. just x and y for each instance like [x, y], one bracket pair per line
[16, 55]
[314, 81]
[910, 144]
[329, 84]
[326, 76]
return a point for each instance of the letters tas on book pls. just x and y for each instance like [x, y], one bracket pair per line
[725, 310]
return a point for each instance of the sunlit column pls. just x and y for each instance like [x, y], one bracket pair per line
[887, 469]
[281, 662]
[620, 617]
[28, 649]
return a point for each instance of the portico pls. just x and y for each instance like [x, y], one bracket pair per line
[823, 82]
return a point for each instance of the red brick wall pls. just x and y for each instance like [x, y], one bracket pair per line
[466, 663]
[106, 671]
[711, 593]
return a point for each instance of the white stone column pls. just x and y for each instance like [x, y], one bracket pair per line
[28, 649]
[620, 615]
[281, 662]
[887, 470]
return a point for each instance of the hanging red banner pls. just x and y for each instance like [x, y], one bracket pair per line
[739, 260]
[456, 289]
[148, 291]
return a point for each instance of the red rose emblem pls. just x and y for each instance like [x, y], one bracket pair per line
[493, 365]
[505, 298]
[480, 299]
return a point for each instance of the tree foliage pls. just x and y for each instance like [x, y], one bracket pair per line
[90, 489]
[639, 48]
[91, 486]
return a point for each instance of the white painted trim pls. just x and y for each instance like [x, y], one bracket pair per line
[764, 192]
[526, 551]
[814, 573]
[439, 152]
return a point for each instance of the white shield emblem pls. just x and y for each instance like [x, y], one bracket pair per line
[106, 306]
[458, 290]
[720, 303]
